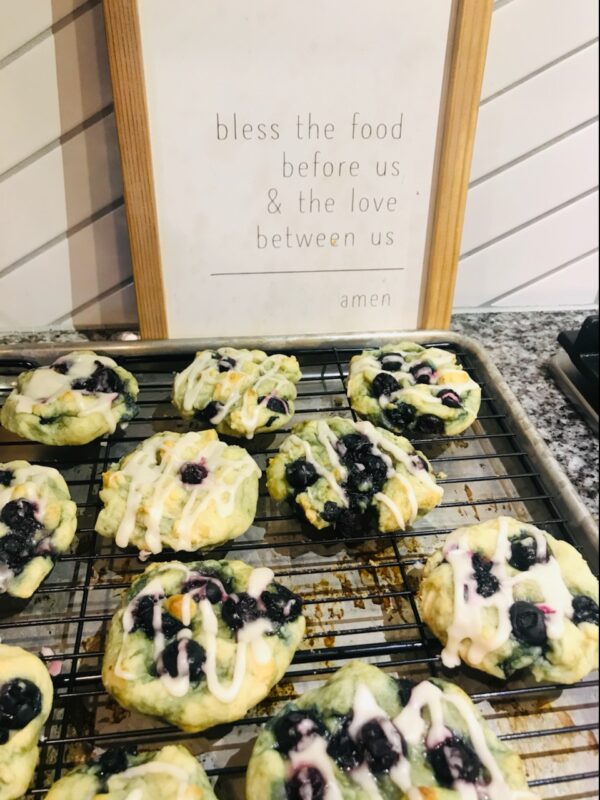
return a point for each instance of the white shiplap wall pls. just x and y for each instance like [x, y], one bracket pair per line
[530, 238]
[531, 226]
[64, 251]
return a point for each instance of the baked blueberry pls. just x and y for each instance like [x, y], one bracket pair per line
[210, 411]
[307, 783]
[523, 552]
[281, 604]
[380, 752]
[342, 748]
[226, 363]
[239, 609]
[455, 760]
[450, 398]
[19, 516]
[528, 624]
[20, 702]
[405, 688]
[300, 474]
[384, 384]
[6, 477]
[429, 423]
[103, 380]
[143, 618]
[331, 511]
[294, 726]
[392, 362]
[277, 405]
[352, 524]
[487, 583]
[208, 585]
[62, 367]
[16, 549]
[114, 760]
[585, 610]
[401, 416]
[422, 373]
[193, 473]
[196, 657]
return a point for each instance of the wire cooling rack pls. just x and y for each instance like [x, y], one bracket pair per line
[359, 600]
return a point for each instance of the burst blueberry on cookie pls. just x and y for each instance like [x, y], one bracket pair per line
[239, 392]
[366, 735]
[199, 644]
[405, 387]
[38, 520]
[503, 596]
[352, 476]
[77, 399]
[26, 695]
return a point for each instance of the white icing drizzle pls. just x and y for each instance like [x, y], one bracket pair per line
[259, 579]
[251, 635]
[203, 373]
[411, 725]
[320, 469]
[46, 385]
[150, 484]
[157, 768]
[467, 623]
[315, 754]
[393, 507]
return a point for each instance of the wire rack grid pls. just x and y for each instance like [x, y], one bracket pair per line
[359, 596]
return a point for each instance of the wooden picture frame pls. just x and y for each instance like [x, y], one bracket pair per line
[469, 33]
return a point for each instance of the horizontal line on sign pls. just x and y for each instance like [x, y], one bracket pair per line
[305, 271]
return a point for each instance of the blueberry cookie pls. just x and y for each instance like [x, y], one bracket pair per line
[352, 475]
[183, 491]
[240, 392]
[504, 596]
[199, 644]
[405, 387]
[78, 398]
[26, 695]
[171, 773]
[366, 736]
[38, 520]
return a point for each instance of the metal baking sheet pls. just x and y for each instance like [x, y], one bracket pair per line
[359, 600]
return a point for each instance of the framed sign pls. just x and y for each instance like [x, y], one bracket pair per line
[294, 167]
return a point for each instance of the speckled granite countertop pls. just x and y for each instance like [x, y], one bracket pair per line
[520, 344]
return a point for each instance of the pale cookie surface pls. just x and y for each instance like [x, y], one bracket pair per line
[183, 491]
[406, 387]
[78, 398]
[240, 392]
[171, 773]
[366, 736]
[352, 475]
[26, 695]
[503, 596]
[38, 520]
[199, 644]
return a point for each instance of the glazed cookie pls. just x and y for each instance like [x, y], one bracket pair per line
[26, 695]
[38, 520]
[199, 644]
[405, 387]
[505, 596]
[78, 398]
[352, 475]
[123, 774]
[240, 392]
[184, 491]
[365, 735]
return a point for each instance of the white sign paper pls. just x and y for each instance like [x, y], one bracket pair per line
[293, 144]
